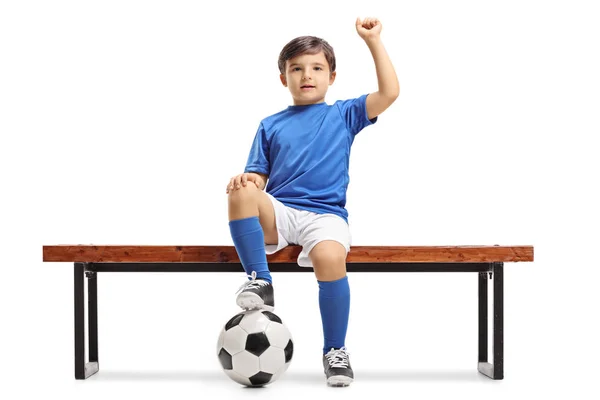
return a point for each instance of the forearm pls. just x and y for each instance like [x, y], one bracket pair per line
[261, 185]
[387, 80]
[262, 181]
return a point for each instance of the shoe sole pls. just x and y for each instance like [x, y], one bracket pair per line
[252, 301]
[339, 380]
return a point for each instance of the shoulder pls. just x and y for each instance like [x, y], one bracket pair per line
[346, 103]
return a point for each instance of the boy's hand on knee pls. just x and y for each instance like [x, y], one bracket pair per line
[242, 180]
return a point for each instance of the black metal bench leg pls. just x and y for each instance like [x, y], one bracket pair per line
[93, 315]
[85, 369]
[494, 370]
[483, 318]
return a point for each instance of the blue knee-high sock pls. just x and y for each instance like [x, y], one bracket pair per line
[334, 301]
[249, 241]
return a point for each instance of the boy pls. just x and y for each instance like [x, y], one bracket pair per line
[304, 153]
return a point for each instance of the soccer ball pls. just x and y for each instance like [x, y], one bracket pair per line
[255, 348]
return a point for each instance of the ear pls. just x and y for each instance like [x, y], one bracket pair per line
[332, 78]
[283, 80]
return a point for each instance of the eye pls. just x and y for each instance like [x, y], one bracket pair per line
[319, 68]
[296, 68]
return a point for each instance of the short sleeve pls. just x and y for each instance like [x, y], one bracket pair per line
[258, 160]
[354, 113]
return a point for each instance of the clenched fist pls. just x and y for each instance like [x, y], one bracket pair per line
[369, 28]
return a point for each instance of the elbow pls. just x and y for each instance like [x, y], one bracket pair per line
[396, 91]
[391, 95]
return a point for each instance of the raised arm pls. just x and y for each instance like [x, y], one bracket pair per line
[389, 88]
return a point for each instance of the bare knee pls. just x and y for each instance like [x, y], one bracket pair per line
[243, 194]
[329, 260]
[243, 202]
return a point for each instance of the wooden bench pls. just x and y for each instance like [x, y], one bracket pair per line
[89, 260]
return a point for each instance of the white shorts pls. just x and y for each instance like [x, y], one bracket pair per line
[306, 228]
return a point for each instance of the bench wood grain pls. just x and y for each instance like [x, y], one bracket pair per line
[228, 254]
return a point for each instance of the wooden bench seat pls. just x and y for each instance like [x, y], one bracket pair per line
[227, 254]
[89, 260]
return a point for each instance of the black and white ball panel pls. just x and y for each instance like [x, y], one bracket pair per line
[254, 347]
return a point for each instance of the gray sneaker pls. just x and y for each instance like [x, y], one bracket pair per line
[256, 294]
[337, 367]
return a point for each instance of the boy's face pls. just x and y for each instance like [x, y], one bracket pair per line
[308, 78]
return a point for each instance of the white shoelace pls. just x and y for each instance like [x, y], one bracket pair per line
[252, 284]
[338, 358]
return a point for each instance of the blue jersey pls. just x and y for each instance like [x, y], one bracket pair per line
[305, 150]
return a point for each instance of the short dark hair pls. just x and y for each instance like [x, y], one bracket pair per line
[306, 45]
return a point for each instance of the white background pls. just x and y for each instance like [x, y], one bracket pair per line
[122, 121]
